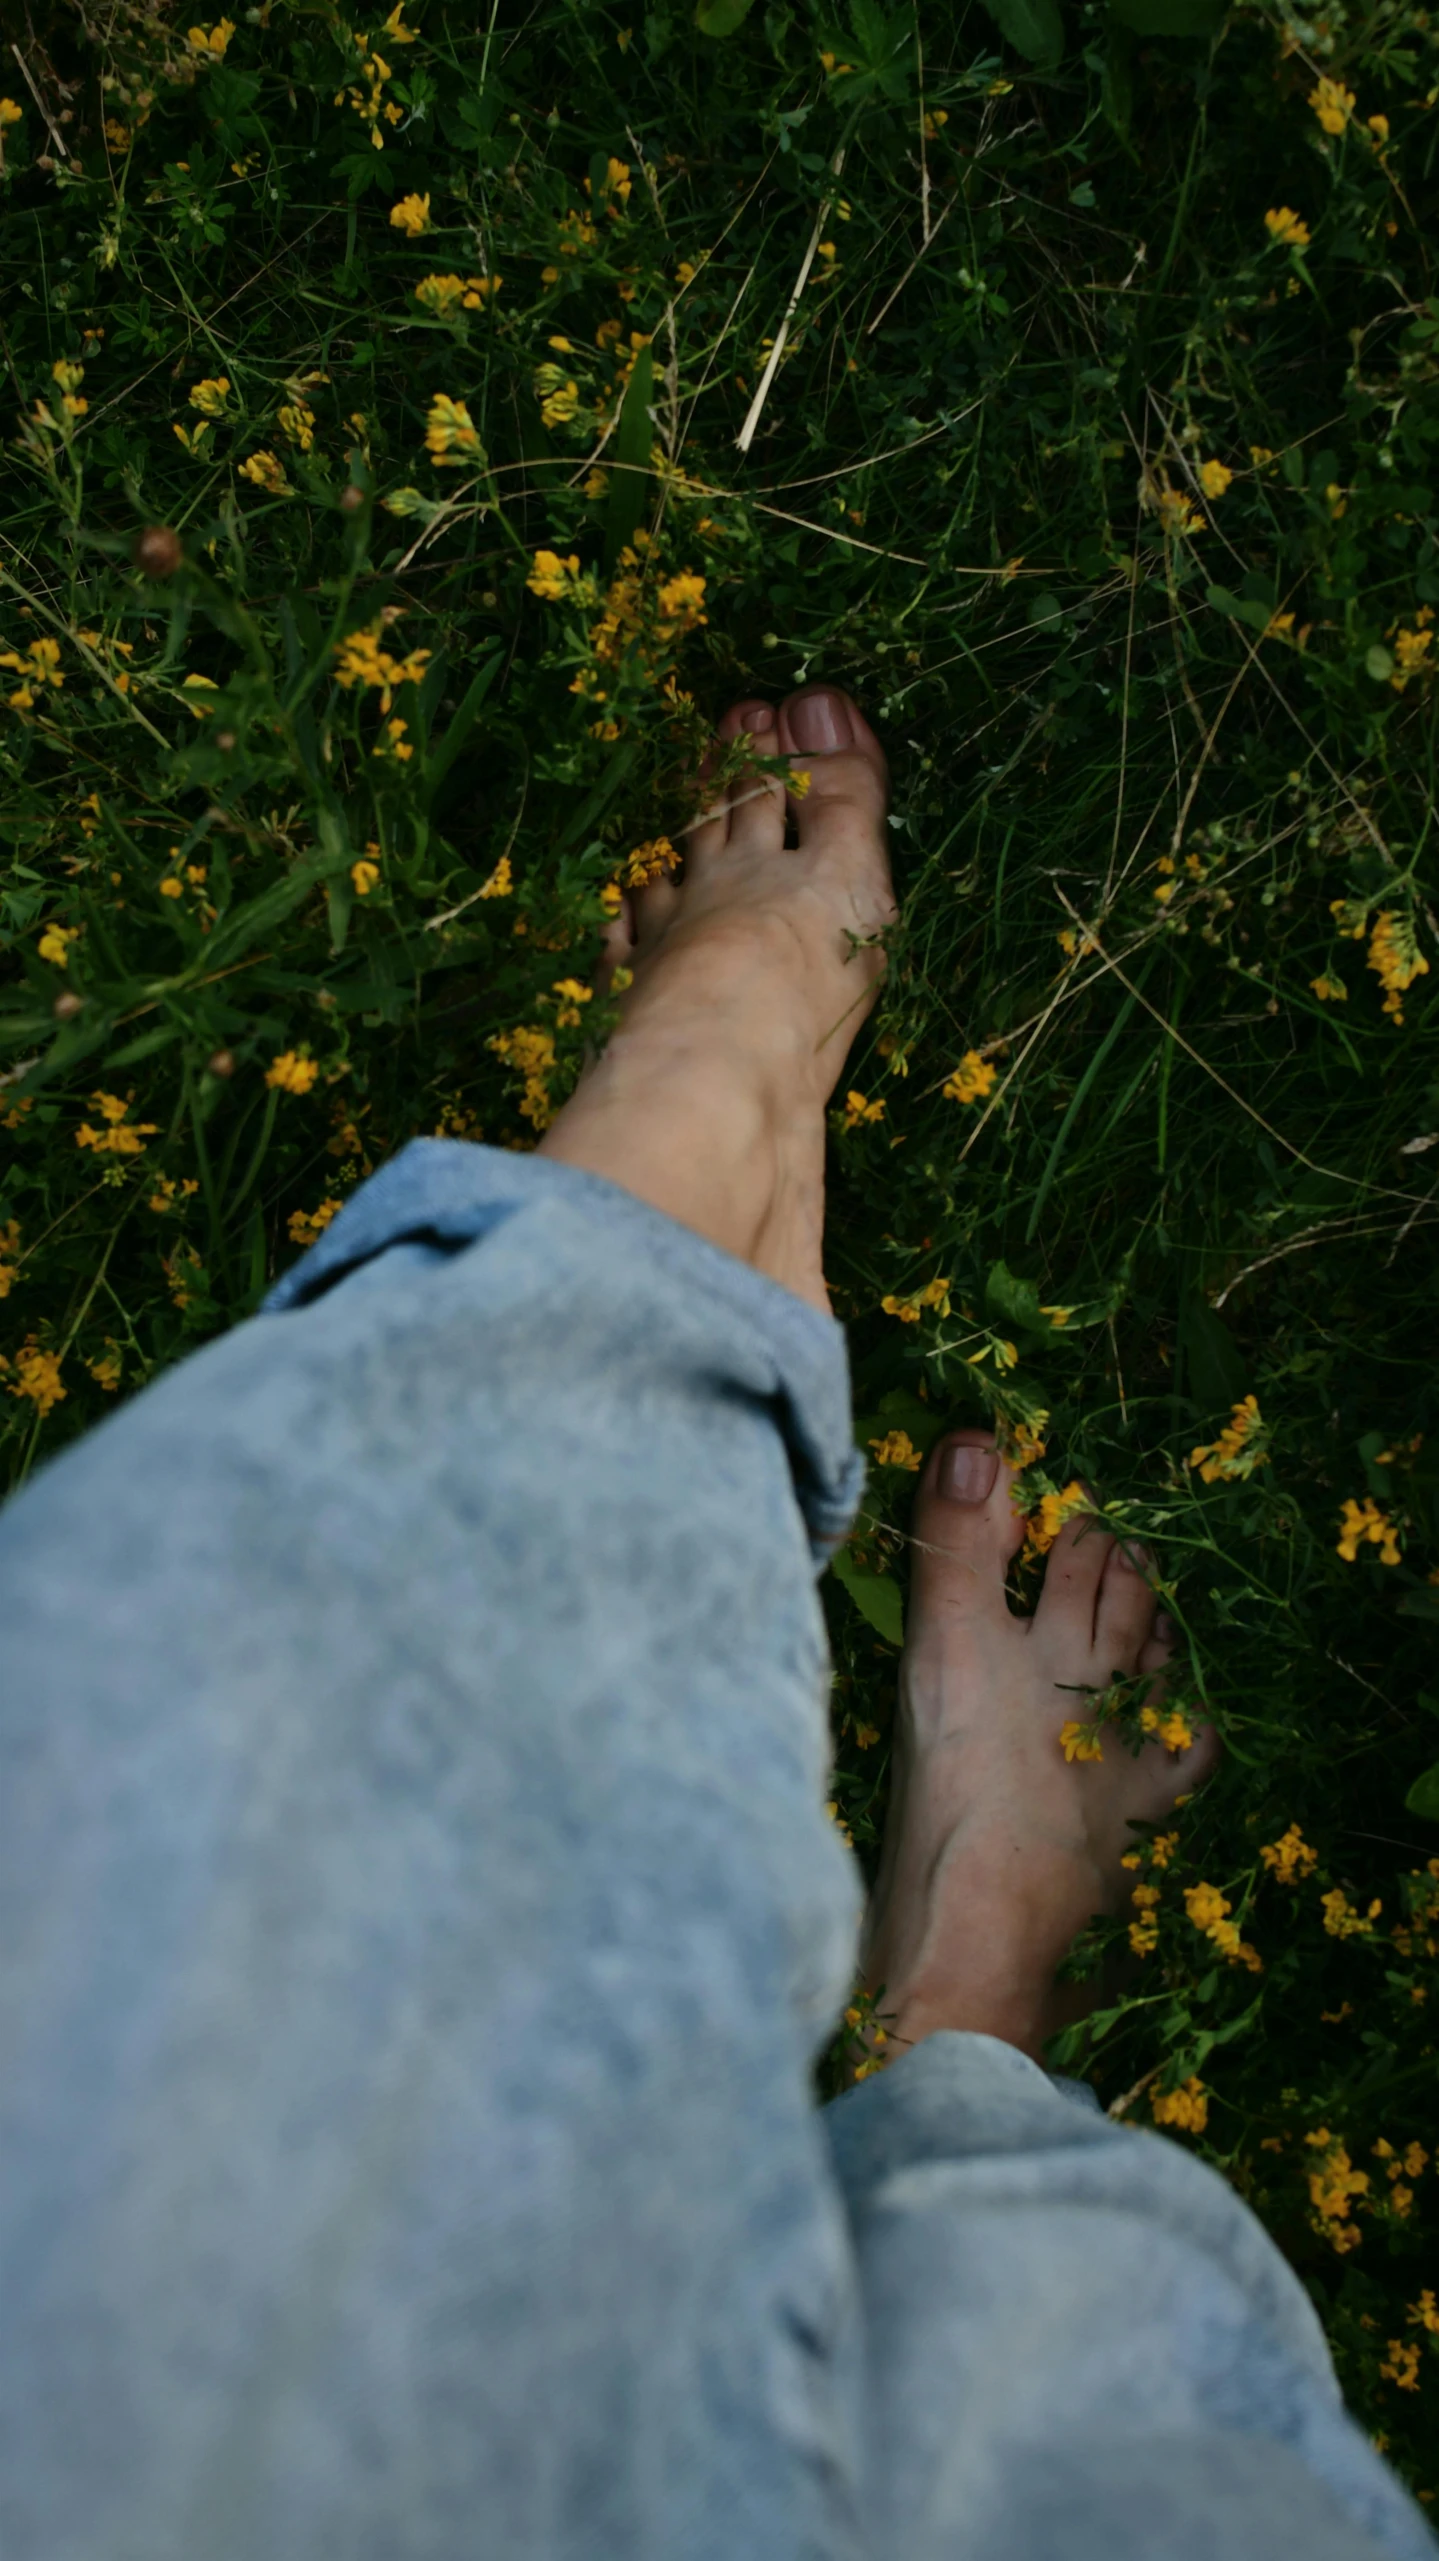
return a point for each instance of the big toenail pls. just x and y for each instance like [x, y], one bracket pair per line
[820, 722]
[967, 1474]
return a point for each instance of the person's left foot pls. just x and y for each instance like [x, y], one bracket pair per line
[998, 1849]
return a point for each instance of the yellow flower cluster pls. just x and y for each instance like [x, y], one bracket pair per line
[360, 661]
[1168, 1727]
[501, 880]
[212, 42]
[1342, 1921]
[1240, 1448]
[293, 1072]
[1395, 958]
[1080, 1742]
[1284, 226]
[296, 422]
[1333, 104]
[1334, 2183]
[10, 1247]
[1208, 1909]
[1364, 1522]
[37, 1375]
[39, 666]
[451, 437]
[857, 1111]
[266, 471]
[106, 1371]
[896, 1450]
[653, 861]
[444, 296]
[366, 95]
[971, 1079]
[411, 215]
[210, 396]
[307, 1224]
[1187, 2107]
[935, 1293]
[9, 113]
[530, 1051]
[1401, 2366]
[54, 945]
[120, 1136]
[1291, 1858]
[1214, 478]
[1144, 1932]
[552, 577]
[1411, 651]
[1044, 1525]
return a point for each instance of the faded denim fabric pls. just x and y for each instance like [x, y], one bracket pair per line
[418, 1916]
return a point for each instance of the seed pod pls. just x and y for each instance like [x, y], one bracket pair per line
[67, 1005]
[222, 1063]
[158, 552]
[351, 498]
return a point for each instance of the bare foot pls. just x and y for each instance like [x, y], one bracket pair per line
[997, 1849]
[752, 974]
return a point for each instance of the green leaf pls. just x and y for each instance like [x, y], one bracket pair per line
[443, 756]
[1171, 17]
[1421, 1604]
[629, 487]
[1242, 608]
[1423, 1796]
[720, 18]
[1033, 27]
[877, 1597]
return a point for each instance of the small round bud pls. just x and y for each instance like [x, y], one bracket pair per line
[221, 1063]
[351, 499]
[68, 1005]
[224, 740]
[157, 551]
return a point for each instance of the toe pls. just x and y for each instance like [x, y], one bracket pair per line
[1124, 1608]
[826, 733]
[964, 1532]
[756, 801]
[1073, 1572]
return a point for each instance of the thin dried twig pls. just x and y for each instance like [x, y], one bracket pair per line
[746, 435]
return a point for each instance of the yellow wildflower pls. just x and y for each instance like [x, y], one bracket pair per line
[37, 1375]
[652, 861]
[266, 471]
[1401, 2366]
[1330, 990]
[679, 601]
[1284, 226]
[1240, 1448]
[1333, 104]
[106, 1370]
[9, 1245]
[481, 289]
[1395, 957]
[9, 113]
[1290, 1858]
[1208, 1909]
[896, 1450]
[361, 662]
[1214, 478]
[1364, 1522]
[971, 1080]
[120, 1136]
[209, 397]
[500, 883]
[1426, 2311]
[1333, 2185]
[392, 743]
[1411, 652]
[551, 576]
[364, 876]
[1172, 1730]
[1342, 1921]
[1080, 1742]
[1044, 1525]
[530, 1051]
[306, 1224]
[293, 1072]
[296, 422]
[559, 406]
[451, 437]
[1188, 2106]
[1144, 1929]
[55, 944]
[1177, 512]
[857, 1110]
[573, 993]
[411, 215]
[212, 41]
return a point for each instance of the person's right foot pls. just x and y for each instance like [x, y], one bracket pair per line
[998, 1849]
[751, 977]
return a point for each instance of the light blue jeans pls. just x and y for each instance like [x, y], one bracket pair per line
[418, 1917]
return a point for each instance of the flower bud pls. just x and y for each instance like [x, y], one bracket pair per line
[158, 552]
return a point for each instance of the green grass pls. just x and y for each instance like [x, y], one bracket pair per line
[1163, 760]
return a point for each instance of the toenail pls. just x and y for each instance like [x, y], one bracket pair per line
[1137, 1558]
[820, 722]
[967, 1474]
[1164, 1628]
[757, 718]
